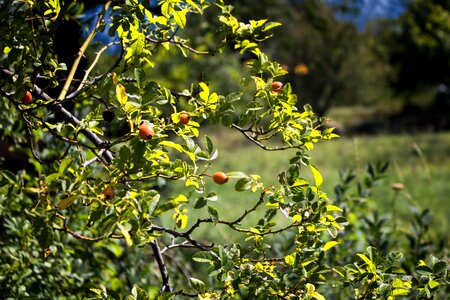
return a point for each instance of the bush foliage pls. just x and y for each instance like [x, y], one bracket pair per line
[85, 217]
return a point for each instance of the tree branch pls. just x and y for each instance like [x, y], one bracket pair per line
[162, 267]
[58, 109]
[185, 235]
[257, 142]
[83, 48]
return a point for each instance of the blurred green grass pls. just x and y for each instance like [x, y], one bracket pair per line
[419, 161]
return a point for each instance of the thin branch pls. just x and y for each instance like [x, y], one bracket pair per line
[68, 117]
[246, 212]
[83, 48]
[179, 43]
[257, 142]
[93, 160]
[184, 244]
[162, 267]
[89, 70]
[185, 235]
[76, 235]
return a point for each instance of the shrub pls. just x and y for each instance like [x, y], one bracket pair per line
[85, 217]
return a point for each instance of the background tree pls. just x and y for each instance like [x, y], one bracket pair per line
[330, 62]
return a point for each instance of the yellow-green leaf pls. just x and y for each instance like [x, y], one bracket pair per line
[126, 235]
[317, 176]
[64, 203]
[329, 245]
[182, 221]
[333, 208]
[121, 94]
[114, 78]
[129, 106]
[432, 284]
[172, 145]
[289, 260]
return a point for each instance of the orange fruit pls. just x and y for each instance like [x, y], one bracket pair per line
[146, 132]
[108, 193]
[276, 87]
[27, 98]
[220, 177]
[184, 118]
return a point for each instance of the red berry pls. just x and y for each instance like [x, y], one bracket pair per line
[220, 177]
[146, 132]
[27, 98]
[276, 87]
[108, 193]
[184, 118]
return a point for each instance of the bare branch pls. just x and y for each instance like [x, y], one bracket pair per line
[178, 43]
[83, 48]
[162, 267]
[89, 70]
[76, 235]
[185, 235]
[257, 142]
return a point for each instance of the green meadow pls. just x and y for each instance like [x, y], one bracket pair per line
[418, 161]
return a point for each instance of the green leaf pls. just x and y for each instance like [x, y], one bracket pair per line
[440, 266]
[424, 270]
[433, 284]
[203, 257]
[64, 164]
[52, 177]
[209, 145]
[370, 265]
[201, 202]
[63, 204]
[141, 76]
[172, 145]
[214, 214]
[165, 296]
[197, 284]
[174, 202]
[243, 184]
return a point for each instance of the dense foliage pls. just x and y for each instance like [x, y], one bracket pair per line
[89, 153]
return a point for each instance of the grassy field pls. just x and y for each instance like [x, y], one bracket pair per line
[421, 162]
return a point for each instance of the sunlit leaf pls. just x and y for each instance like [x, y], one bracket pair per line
[329, 245]
[121, 94]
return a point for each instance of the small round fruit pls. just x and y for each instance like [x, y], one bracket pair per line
[184, 118]
[27, 98]
[108, 193]
[108, 115]
[220, 177]
[146, 132]
[276, 87]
